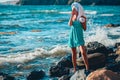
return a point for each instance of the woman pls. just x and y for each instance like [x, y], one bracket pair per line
[78, 23]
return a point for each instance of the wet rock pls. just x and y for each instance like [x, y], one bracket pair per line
[114, 67]
[103, 75]
[117, 44]
[79, 75]
[93, 47]
[110, 50]
[62, 67]
[36, 75]
[65, 77]
[58, 71]
[35, 30]
[111, 58]
[4, 76]
[117, 59]
[8, 33]
[66, 61]
[112, 25]
[96, 60]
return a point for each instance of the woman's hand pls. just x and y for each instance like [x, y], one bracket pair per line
[74, 17]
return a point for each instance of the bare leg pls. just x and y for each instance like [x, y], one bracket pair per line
[84, 55]
[74, 58]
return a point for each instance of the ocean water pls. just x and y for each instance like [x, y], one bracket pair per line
[36, 37]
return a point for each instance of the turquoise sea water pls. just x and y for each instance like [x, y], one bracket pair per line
[35, 37]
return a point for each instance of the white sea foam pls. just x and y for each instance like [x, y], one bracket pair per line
[107, 15]
[65, 12]
[47, 11]
[39, 52]
[100, 34]
[86, 12]
[90, 12]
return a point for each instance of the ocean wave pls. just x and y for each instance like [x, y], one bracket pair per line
[68, 12]
[52, 21]
[39, 52]
[90, 12]
[102, 35]
[28, 12]
[107, 15]
[5, 14]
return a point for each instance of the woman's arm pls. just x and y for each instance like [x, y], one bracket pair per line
[84, 23]
[70, 21]
[71, 18]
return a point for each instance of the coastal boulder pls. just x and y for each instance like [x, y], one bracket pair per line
[115, 67]
[117, 59]
[62, 67]
[93, 47]
[58, 71]
[96, 60]
[103, 75]
[112, 25]
[110, 50]
[111, 58]
[36, 75]
[4, 76]
[117, 45]
[66, 61]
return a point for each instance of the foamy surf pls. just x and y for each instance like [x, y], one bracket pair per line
[39, 52]
[102, 35]
[90, 12]
[107, 15]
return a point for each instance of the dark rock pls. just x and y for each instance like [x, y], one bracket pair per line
[114, 67]
[58, 71]
[66, 61]
[110, 50]
[111, 58]
[4, 76]
[103, 74]
[62, 67]
[112, 25]
[93, 47]
[96, 60]
[116, 45]
[36, 75]
[117, 59]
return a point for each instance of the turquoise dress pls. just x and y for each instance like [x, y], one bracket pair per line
[76, 35]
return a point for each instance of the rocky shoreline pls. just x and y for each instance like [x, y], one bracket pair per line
[103, 60]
